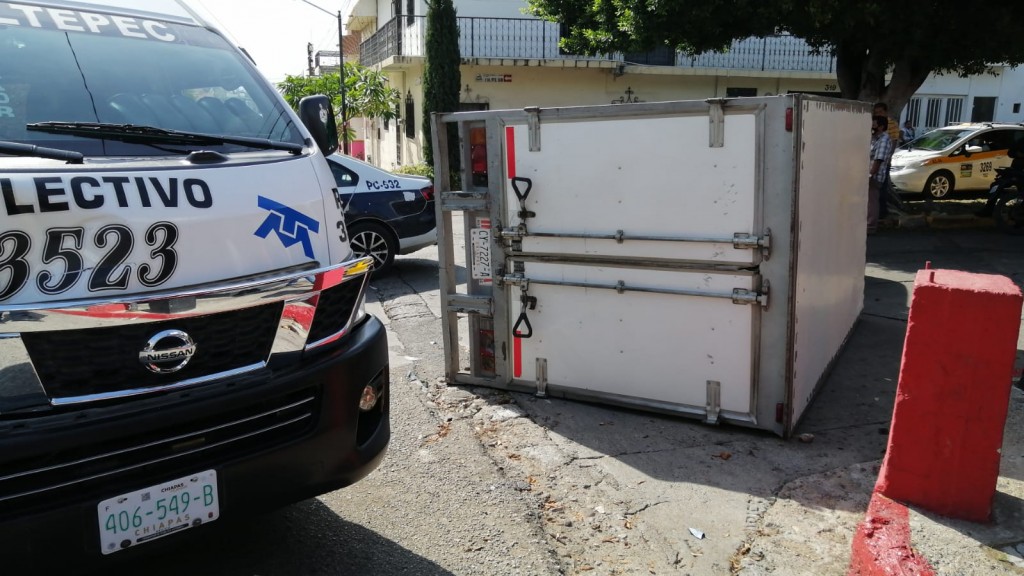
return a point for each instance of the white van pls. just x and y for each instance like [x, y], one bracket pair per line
[182, 330]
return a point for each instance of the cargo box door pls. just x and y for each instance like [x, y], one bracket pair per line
[632, 255]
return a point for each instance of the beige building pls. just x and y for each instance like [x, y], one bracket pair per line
[513, 61]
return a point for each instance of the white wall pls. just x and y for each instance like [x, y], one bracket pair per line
[1007, 86]
[491, 8]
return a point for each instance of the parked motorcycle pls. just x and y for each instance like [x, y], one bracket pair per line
[1006, 197]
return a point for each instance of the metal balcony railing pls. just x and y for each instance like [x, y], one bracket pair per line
[782, 53]
[528, 38]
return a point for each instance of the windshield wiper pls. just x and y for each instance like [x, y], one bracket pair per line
[151, 135]
[18, 149]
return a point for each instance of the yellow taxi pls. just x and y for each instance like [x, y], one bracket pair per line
[959, 157]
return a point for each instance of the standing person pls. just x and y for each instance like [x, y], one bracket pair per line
[907, 133]
[893, 131]
[878, 167]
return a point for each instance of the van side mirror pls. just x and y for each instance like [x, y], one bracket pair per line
[317, 115]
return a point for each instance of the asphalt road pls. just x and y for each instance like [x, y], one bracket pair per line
[483, 482]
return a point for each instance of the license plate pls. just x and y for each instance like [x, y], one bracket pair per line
[480, 267]
[145, 515]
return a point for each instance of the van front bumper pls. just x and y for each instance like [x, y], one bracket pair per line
[300, 433]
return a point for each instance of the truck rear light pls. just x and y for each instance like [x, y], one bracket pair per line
[789, 119]
[427, 192]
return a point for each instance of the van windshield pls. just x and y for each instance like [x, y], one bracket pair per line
[938, 139]
[71, 66]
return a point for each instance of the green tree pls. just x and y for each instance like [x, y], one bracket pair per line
[869, 38]
[442, 78]
[367, 94]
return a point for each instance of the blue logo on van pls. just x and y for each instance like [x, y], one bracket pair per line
[292, 227]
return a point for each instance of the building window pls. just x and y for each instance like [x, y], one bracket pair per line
[914, 112]
[660, 56]
[740, 92]
[984, 109]
[410, 116]
[954, 110]
[410, 12]
[931, 115]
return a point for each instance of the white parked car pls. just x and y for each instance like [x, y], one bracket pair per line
[960, 157]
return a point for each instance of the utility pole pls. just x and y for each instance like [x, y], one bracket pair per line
[341, 75]
[341, 78]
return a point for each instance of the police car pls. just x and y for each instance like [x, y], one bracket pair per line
[959, 157]
[386, 214]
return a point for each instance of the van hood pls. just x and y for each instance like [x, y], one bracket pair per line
[113, 229]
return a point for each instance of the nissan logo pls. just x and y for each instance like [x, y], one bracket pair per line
[167, 352]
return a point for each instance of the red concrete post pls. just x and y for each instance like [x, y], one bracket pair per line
[953, 393]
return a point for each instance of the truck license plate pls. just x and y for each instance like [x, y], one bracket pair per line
[480, 267]
[144, 515]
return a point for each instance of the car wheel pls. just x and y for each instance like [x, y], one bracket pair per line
[939, 185]
[374, 240]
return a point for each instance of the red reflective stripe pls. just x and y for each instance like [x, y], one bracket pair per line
[510, 150]
[517, 356]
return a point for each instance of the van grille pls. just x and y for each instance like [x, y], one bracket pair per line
[334, 309]
[50, 478]
[97, 360]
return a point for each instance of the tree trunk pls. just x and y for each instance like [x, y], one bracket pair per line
[849, 63]
[907, 77]
[862, 77]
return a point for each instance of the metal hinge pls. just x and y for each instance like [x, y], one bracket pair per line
[714, 402]
[744, 296]
[513, 280]
[533, 125]
[515, 233]
[542, 378]
[716, 117]
[744, 241]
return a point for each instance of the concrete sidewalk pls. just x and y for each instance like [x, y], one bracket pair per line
[626, 492]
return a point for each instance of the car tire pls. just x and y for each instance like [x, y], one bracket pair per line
[374, 240]
[940, 185]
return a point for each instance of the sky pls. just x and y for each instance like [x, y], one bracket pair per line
[275, 32]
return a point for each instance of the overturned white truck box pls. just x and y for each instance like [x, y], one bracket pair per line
[698, 258]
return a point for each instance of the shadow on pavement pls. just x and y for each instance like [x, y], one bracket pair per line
[849, 417]
[327, 544]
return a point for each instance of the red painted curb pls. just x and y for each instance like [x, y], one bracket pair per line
[881, 544]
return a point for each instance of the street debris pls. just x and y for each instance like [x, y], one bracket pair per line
[806, 438]
[443, 430]
[697, 533]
